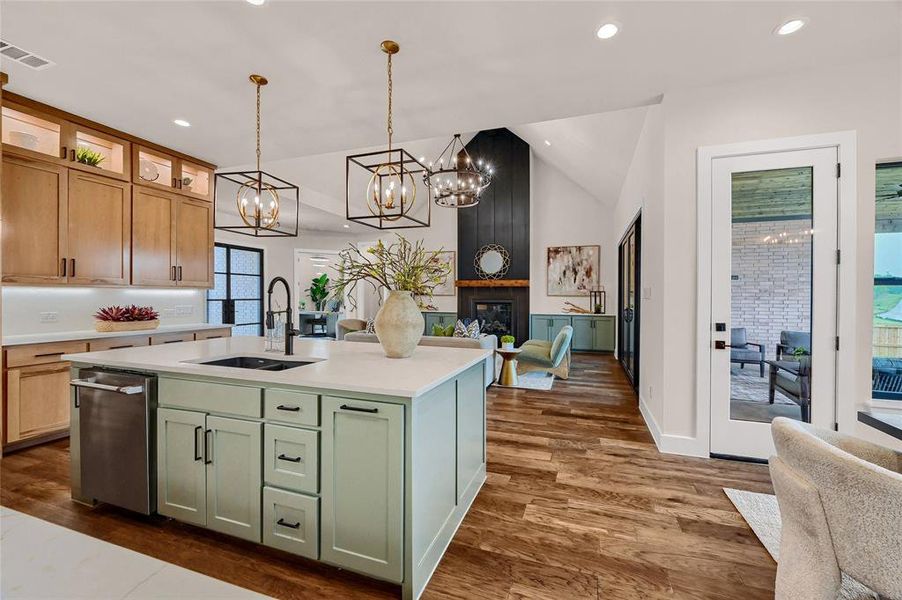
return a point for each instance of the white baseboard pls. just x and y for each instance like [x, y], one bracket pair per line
[669, 443]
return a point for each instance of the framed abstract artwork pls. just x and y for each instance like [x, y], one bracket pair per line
[447, 288]
[573, 270]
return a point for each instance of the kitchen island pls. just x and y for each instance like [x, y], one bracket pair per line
[354, 459]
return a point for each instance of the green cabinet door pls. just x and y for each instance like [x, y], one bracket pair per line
[583, 333]
[362, 486]
[557, 323]
[431, 319]
[540, 328]
[234, 476]
[181, 478]
[604, 334]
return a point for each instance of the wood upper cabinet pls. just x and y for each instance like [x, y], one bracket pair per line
[99, 229]
[195, 180]
[154, 169]
[194, 243]
[33, 134]
[35, 195]
[153, 237]
[115, 152]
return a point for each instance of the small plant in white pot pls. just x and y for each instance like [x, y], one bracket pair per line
[507, 342]
[409, 272]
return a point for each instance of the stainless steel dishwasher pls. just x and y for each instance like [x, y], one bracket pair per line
[116, 413]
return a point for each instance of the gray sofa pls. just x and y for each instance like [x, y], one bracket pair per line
[488, 342]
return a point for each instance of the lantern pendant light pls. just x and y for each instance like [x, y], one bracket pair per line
[259, 198]
[455, 178]
[392, 177]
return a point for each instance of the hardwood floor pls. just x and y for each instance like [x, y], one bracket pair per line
[578, 504]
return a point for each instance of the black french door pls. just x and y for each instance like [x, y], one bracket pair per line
[237, 294]
[629, 268]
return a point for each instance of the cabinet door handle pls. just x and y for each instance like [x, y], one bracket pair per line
[43, 354]
[180, 272]
[197, 452]
[72, 154]
[64, 152]
[173, 182]
[63, 267]
[289, 408]
[285, 523]
[294, 459]
[71, 267]
[208, 447]
[173, 273]
[359, 409]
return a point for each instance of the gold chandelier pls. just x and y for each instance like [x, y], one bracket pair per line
[391, 189]
[256, 197]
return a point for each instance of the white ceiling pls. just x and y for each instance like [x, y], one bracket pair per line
[463, 66]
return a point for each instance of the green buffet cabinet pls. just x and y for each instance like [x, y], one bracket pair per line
[591, 333]
[438, 318]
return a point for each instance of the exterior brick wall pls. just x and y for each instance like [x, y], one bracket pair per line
[771, 283]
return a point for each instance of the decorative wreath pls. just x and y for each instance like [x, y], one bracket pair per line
[505, 261]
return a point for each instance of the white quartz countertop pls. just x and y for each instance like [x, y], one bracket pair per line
[343, 366]
[90, 334]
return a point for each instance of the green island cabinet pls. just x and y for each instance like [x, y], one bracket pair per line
[591, 333]
[438, 318]
[370, 483]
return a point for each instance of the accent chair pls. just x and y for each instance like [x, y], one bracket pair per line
[550, 357]
[743, 351]
[790, 341]
[841, 505]
[346, 326]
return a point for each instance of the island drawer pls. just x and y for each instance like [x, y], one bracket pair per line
[291, 522]
[296, 408]
[210, 397]
[290, 458]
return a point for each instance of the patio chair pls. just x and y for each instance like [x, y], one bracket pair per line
[743, 351]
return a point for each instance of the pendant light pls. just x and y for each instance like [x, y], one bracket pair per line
[382, 187]
[265, 206]
[455, 178]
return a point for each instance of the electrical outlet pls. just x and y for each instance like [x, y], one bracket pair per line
[50, 317]
[184, 310]
[168, 312]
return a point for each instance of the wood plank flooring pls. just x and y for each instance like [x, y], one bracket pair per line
[579, 504]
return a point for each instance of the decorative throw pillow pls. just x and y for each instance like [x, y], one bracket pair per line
[467, 331]
[370, 326]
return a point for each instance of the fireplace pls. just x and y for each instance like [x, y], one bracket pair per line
[496, 316]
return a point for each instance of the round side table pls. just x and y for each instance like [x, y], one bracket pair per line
[508, 375]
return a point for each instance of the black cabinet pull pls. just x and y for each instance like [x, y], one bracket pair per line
[285, 523]
[294, 459]
[197, 454]
[64, 153]
[208, 446]
[72, 154]
[359, 409]
[289, 408]
[63, 269]
[72, 267]
[180, 272]
[173, 273]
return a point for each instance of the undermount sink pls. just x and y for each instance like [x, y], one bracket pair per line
[257, 363]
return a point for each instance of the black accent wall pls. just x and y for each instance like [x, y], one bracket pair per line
[502, 215]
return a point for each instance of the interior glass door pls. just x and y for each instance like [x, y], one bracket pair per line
[773, 300]
[628, 303]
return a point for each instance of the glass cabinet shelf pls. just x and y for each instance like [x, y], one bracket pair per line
[112, 153]
[195, 179]
[154, 168]
[32, 133]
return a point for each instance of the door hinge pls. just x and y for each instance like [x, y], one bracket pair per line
[838, 170]
[837, 343]
[838, 256]
[836, 427]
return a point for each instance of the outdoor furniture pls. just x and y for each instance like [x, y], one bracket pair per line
[790, 341]
[840, 511]
[743, 351]
[345, 326]
[886, 378]
[549, 357]
[793, 379]
[508, 375]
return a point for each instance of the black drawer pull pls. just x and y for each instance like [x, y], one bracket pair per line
[285, 523]
[197, 453]
[359, 409]
[289, 408]
[294, 459]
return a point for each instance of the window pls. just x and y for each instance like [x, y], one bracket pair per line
[887, 320]
[237, 294]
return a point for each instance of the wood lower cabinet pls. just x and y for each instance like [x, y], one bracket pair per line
[35, 194]
[99, 229]
[37, 400]
[362, 483]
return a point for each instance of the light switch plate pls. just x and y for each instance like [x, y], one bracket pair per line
[50, 317]
[168, 312]
[184, 310]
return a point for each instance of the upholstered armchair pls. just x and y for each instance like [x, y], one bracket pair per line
[841, 505]
[790, 341]
[550, 357]
[743, 351]
[346, 326]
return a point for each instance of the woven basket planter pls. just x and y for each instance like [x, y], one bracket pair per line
[111, 326]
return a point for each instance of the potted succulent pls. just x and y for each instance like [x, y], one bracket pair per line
[409, 272]
[86, 156]
[507, 342]
[126, 318]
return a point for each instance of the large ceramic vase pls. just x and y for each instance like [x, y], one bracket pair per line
[399, 325]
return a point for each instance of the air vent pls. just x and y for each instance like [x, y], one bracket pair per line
[29, 59]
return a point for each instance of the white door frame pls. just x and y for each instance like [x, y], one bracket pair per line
[846, 306]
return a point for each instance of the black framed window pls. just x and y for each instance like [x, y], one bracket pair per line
[887, 309]
[237, 294]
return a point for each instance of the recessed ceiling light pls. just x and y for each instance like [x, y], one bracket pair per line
[256, 2]
[346, 226]
[607, 31]
[182, 123]
[790, 26]
[547, 143]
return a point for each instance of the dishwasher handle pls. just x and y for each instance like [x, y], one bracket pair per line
[120, 389]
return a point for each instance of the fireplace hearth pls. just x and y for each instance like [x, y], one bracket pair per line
[496, 316]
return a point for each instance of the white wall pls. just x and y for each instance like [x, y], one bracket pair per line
[861, 97]
[564, 214]
[75, 306]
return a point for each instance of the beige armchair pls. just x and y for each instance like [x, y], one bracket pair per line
[346, 326]
[841, 505]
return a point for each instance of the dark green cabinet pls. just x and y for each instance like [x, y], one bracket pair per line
[438, 318]
[591, 333]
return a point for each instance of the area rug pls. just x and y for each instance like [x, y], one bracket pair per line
[533, 380]
[747, 386]
[762, 513]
